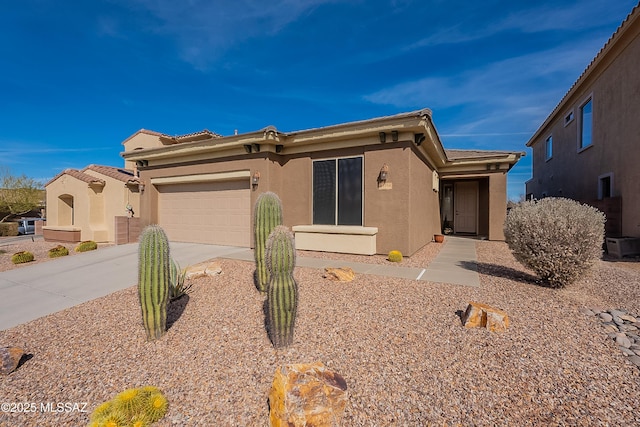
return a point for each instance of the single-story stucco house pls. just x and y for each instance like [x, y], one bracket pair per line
[85, 204]
[363, 187]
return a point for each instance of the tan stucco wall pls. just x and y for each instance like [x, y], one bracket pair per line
[407, 214]
[497, 196]
[139, 141]
[94, 207]
[616, 138]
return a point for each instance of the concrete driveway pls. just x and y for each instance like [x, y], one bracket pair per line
[31, 292]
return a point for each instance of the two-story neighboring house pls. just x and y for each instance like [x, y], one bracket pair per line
[588, 149]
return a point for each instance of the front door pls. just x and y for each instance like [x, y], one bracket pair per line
[466, 207]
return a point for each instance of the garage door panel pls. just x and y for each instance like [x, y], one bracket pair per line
[215, 212]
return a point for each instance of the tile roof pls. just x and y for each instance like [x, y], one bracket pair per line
[177, 138]
[478, 154]
[124, 175]
[79, 175]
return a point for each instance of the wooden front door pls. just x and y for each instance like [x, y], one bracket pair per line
[466, 207]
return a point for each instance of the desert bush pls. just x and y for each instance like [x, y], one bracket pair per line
[58, 251]
[22, 257]
[395, 256]
[8, 228]
[557, 238]
[88, 245]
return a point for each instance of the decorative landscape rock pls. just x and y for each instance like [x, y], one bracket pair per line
[307, 395]
[9, 359]
[478, 315]
[622, 328]
[204, 269]
[342, 274]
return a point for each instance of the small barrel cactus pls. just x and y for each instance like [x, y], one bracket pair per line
[22, 257]
[282, 292]
[88, 245]
[395, 256]
[58, 251]
[154, 276]
[133, 407]
[267, 215]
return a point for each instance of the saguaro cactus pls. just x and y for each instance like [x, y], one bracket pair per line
[267, 216]
[282, 292]
[153, 280]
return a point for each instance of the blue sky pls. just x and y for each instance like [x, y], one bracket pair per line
[79, 77]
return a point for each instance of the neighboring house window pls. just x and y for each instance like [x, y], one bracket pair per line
[337, 191]
[586, 124]
[605, 186]
[568, 118]
[548, 147]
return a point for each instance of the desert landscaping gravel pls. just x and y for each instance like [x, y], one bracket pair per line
[398, 343]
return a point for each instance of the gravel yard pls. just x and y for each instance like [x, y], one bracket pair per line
[398, 343]
[39, 248]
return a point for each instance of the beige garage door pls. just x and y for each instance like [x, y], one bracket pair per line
[213, 212]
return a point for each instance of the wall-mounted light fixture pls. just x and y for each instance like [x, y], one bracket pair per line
[254, 179]
[256, 147]
[141, 186]
[419, 138]
[383, 137]
[394, 135]
[247, 148]
[384, 173]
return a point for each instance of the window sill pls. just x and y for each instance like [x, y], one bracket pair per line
[580, 150]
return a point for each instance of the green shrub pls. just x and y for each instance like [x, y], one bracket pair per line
[395, 256]
[58, 251]
[8, 228]
[557, 238]
[88, 245]
[22, 257]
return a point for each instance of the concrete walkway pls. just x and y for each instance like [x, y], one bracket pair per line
[455, 264]
[38, 290]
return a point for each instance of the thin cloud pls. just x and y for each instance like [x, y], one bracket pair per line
[45, 150]
[203, 30]
[533, 20]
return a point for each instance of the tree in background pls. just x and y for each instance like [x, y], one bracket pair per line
[18, 194]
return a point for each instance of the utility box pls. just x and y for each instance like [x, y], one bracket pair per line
[623, 246]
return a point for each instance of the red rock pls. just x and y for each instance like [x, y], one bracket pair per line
[479, 315]
[307, 395]
[342, 274]
[9, 359]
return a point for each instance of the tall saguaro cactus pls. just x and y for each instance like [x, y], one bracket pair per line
[153, 280]
[267, 216]
[282, 292]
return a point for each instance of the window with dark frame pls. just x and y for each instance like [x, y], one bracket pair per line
[337, 191]
[586, 124]
[548, 147]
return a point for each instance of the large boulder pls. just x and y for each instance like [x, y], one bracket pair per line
[307, 395]
[204, 269]
[10, 359]
[342, 274]
[478, 315]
